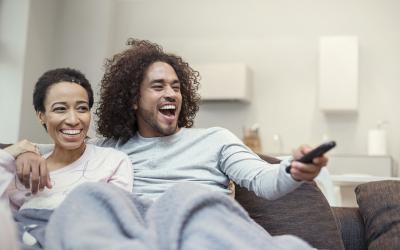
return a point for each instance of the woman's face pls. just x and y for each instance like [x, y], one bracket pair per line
[67, 114]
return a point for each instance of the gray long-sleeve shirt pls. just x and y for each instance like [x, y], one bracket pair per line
[206, 156]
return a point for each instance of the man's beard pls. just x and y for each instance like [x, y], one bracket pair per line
[149, 118]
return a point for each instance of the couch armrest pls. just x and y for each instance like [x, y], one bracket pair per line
[351, 225]
[304, 212]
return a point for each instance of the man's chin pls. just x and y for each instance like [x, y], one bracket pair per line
[169, 131]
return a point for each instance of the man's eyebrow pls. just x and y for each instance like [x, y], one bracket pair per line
[162, 80]
[157, 80]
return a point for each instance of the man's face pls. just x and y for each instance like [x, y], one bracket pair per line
[160, 101]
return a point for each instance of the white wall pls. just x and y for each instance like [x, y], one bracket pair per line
[83, 39]
[41, 39]
[13, 32]
[40, 35]
[279, 42]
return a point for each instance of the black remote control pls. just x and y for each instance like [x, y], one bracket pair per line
[316, 152]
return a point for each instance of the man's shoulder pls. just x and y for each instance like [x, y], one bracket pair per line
[210, 130]
[217, 133]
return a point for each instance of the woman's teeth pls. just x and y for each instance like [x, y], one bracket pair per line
[70, 131]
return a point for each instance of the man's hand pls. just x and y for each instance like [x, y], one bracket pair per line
[21, 147]
[32, 169]
[306, 172]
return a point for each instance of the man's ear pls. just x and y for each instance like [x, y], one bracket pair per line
[135, 106]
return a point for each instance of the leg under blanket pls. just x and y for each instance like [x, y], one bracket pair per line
[187, 216]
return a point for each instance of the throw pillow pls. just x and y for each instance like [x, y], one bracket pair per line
[379, 204]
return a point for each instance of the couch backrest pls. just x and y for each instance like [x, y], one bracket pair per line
[4, 145]
[305, 213]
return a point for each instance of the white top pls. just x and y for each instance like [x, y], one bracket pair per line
[96, 164]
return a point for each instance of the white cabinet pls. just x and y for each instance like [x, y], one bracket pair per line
[348, 171]
[224, 82]
[338, 74]
[361, 165]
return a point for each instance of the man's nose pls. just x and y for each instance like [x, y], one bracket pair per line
[170, 92]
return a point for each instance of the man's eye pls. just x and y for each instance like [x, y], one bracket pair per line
[157, 87]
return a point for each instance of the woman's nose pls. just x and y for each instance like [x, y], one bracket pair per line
[72, 118]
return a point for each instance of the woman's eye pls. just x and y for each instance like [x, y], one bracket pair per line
[59, 109]
[83, 109]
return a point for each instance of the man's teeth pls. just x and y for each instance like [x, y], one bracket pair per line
[71, 131]
[168, 107]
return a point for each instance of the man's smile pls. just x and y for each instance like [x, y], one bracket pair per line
[168, 110]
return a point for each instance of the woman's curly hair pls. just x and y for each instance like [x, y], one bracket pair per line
[120, 86]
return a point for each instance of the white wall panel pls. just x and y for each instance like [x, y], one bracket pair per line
[338, 74]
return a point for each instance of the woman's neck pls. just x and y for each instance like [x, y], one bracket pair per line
[63, 157]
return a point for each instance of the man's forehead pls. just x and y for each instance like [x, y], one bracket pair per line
[160, 70]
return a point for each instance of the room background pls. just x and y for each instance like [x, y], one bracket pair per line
[278, 40]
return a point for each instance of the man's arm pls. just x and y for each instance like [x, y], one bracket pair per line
[269, 159]
[266, 180]
[31, 168]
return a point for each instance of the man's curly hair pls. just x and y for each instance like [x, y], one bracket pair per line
[120, 87]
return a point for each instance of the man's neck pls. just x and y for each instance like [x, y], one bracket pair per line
[153, 134]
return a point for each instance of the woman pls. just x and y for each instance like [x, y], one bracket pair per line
[62, 100]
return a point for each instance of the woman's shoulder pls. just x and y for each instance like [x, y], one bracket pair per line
[106, 152]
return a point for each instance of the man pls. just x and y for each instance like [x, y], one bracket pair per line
[148, 102]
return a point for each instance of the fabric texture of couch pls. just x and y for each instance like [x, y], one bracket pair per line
[307, 214]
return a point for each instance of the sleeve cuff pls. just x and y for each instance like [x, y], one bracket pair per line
[6, 157]
[286, 163]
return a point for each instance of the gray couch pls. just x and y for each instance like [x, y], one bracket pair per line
[307, 214]
[375, 224]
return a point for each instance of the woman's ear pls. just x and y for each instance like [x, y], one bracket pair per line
[135, 106]
[41, 118]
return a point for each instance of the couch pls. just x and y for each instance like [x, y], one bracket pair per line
[307, 214]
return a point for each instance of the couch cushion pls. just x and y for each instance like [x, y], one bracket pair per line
[305, 213]
[379, 204]
[351, 225]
